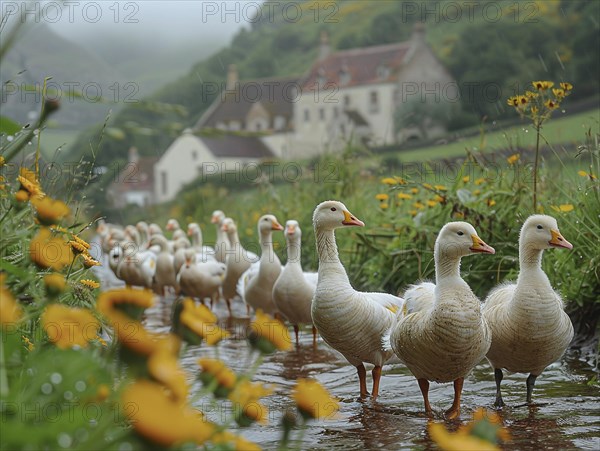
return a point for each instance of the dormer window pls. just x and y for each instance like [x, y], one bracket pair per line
[344, 77]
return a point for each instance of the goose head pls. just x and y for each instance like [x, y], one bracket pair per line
[228, 226]
[292, 230]
[268, 223]
[217, 217]
[159, 240]
[190, 257]
[142, 227]
[331, 214]
[541, 232]
[154, 229]
[193, 228]
[114, 256]
[178, 234]
[172, 225]
[181, 243]
[458, 239]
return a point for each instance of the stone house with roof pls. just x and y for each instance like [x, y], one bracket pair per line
[345, 96]
[134, 182]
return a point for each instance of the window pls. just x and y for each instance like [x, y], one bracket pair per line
[306, 115]
[163, 182]
[373, 102]
[279, 123]
[322, 114]
[383, 72]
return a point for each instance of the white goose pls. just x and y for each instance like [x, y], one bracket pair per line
[441, 335]
[134, 267]
[200, 280]
[222, 242]
[530, 329]
[165, 275]
[238, 261]
[294, 290]
[349, 321]
[256, 284]
[204, 253]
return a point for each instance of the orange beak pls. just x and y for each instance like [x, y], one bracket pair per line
[480, 246]
[558, 240]
[350, 220]
[224, 228]
[214, 220]
[290, 230]
[276, 226]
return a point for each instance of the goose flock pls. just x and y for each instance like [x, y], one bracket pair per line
[439, 331]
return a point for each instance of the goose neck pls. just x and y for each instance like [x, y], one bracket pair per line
[293, 250]
[530, 259]
[447, 268]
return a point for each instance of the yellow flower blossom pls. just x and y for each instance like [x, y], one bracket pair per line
[164, 368]
[55, 284]
[440, 188]
[28, 343]
[513, 158]
[49, 211]
[558, 93]
[21, 196]
[491, 202]
[551, 104]
[109, 300]
[564, 208]
[10, 311]
[542, 85]
[313, 400]
[404, 196]
[431, 203]
[48, 251]
[466, 179]
[382, 196]
[89, 283]
[268, 334]
[400, 180]
[2, 161]
[214, 369]
[247, 391]
[480, 181]
[414, 190]
[566, 86]
[102, 341]
[389, 181]
[30, 183]
[247, 408]
[531, 95]
[238, 442]
[427, 186]
[78, 245]
[201, 322]
[67, 327]
[384, 205]
[88, 260]
[513, 101]
[419, 205]
[160, 419]
[439, 198]
[413, 212]
[587, 174]
[477, 192]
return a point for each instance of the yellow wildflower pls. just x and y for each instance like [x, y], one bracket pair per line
[513, 101]
[384, 205]
[542, 85]
[109, 300]
[160, 419]
[245, 397]
[389, 181]
[564, 208]
[480, 181]
[30, 183]
[214, 369]
[102, 341]
[67, 327]
[531, 95]
[269, 334]
[2, 161]
[513, 158]
[313, 400]
[419, 205]
[197, 323]
[49, 211]
[163, 367]
[458, 441]
[404, 196]
[477, 192]
[21, 196]
[413, 212]
[89, 283]
[89, 261]
[491, 202]
[439, 198]
[566, 86]
[558, 93]
[551, 104]
[400, 180]
[238, 442]
[414, 190]
[440, 188]
[427, 186]
[10, 311]
[55, 284]
[466, 179]
[47, 251]
[586, 174]
[382, 197]
[431, 203]
[78, 245]
[28, 343]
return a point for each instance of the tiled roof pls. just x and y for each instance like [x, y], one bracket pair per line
[236, 146]
[276, 95]
[136, 176]
[360, 66]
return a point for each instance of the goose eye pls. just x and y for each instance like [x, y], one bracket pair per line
[333, 209]
[460, 233]
[265, 219]
[539, 227]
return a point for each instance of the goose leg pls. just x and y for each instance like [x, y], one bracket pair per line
[314, 332]
[376, 377]
[424, 386]
[498, 376]
[228, 302]
[362, 380]
[454, 411]
[530, 383]
[296, 333]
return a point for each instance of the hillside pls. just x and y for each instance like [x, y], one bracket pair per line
[530, 40]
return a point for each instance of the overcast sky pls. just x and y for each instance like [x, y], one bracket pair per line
[171, 20]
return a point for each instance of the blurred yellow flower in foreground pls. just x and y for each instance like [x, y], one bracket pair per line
[49, 211]
[55, 283]
[313, 400]
[481, 434]
[48, 251]
[162, 420]
[564, 208]
[67, 327]
[10, 311]
[124, 296]
[214, 369]
[30, 183]
[268, 334]
[199, 320]
[587, 174]
[389, 181]
[382, 196]
[89, 283]
[404, 196]
[237, 442]
[513, 158]
[163, 367]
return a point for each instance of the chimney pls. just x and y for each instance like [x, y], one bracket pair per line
[232, 78]
[134, 157]
[324, 47]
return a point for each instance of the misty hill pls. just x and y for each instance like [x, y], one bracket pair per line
[534, 40]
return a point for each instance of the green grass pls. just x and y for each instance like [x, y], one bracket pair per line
[558, 130]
